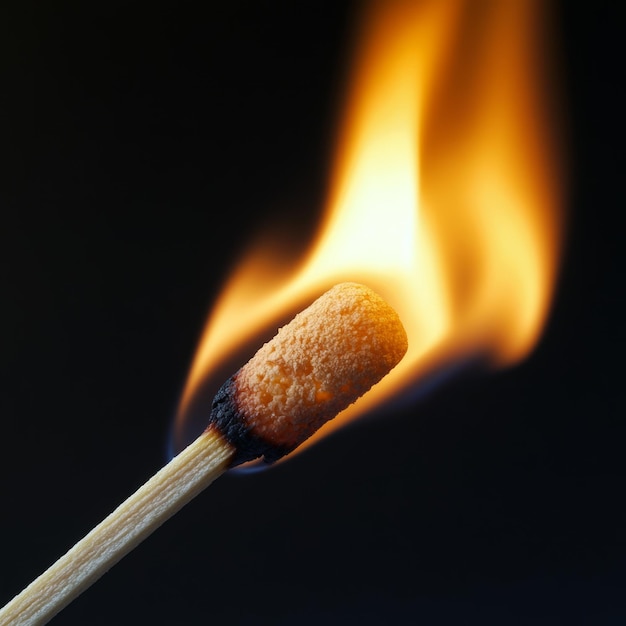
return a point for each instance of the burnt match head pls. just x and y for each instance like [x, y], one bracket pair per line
[317, 365]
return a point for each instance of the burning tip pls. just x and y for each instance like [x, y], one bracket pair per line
[328, 356]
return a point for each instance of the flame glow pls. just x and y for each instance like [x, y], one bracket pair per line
[444, 196]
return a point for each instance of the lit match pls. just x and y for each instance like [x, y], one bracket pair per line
[321, 362]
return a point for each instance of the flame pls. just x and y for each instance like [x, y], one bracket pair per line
[444, 197]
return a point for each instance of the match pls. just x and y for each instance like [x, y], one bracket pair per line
[328, 356]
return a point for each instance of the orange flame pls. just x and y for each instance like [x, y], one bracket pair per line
[444, 197]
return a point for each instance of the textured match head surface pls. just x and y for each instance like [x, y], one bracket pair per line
[317, 365]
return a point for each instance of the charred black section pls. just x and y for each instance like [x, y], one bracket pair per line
[231, 423]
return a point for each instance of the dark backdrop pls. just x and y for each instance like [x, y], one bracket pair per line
[141, 144]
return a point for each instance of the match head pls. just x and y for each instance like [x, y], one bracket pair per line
[317, 365]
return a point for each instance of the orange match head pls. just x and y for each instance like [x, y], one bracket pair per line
[317, 365]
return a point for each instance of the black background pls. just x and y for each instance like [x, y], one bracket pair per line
[141, 145]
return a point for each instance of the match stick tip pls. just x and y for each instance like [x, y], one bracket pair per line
[328, 356]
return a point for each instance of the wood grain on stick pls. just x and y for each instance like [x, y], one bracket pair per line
[162, 496]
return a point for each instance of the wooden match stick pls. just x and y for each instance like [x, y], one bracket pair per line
[323, 360]
[164, 494]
